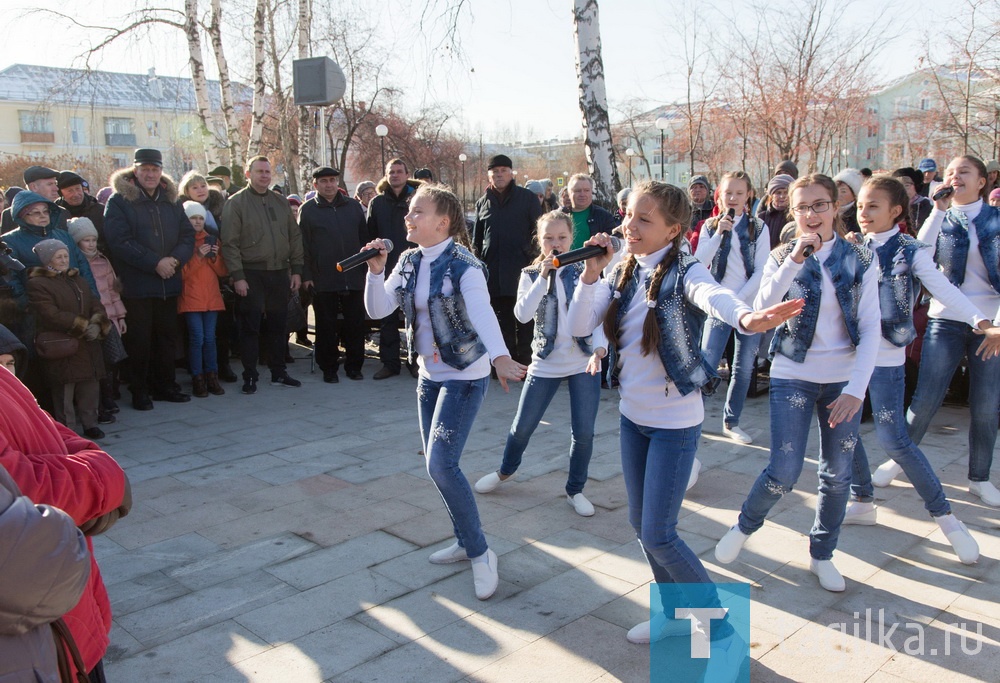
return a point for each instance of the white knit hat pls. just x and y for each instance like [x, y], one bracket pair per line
[852, 178]
[194, 209]
[81, 227]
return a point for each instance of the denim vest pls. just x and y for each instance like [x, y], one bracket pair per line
[897, 290]
[952, 252]
[680, 323]
[547, 314]
[454, 336]
[847, 265]
[748, 245]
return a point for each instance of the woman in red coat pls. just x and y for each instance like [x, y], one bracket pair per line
[52, 465]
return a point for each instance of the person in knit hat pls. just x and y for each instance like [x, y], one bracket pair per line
[41, 181]
[849, 183]
[699, 191]
[63, 303]
[365, 192]
[787, 167]
[84, 233]
[773, 210]
[200, 302]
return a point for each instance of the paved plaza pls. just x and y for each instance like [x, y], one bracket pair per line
[284, 537]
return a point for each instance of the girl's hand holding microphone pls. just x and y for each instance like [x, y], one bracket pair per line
[803, 242]
[594, 266]
[376, 264]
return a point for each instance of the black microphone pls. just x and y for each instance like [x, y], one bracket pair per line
[731, 213]
[942, 192]
[808, 251]
[362, 256]
[552, 276]
[584, 253]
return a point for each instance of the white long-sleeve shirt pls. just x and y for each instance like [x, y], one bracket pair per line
[925, 270]
[566, 358]
[735, 279]
[832, 357]
[976, 287]
[380, 301]
[643, 379]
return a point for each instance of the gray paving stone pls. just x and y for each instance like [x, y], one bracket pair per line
[325, 564]
[246, 559]
[145, 591]
[154, 557]
[138, 534]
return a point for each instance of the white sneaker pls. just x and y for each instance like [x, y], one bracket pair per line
[961, 540]
[583, 507]
[885, 473]
[726, 659]
[863, 514]
[829, 577]
[453, 553]
[986, 491]
[490, 482]
[736, 434]
[485, 576]
[641, 634]
[693, 478]
[728, 548]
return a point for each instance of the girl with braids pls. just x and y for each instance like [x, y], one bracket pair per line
[734, 248]
[822, 361]
[965, 234]
[904, 264]
[452, 333]
[653, 307]
[543, 294]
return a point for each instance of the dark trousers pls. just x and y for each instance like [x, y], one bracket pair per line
[516, 335]
[349, 329]
[388, 341]
[268, 295]
[151, 343]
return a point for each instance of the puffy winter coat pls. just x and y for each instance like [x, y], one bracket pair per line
[45, 565]
[332, 231]
[62, 302]
[141, 230]
[504, 235]
[201, 281]
[108, 286]
[52, 465]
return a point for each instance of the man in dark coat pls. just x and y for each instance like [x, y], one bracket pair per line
[503, 237]
[73, 197]
[40, 180]
[334, 227]
[588, 218]
[150, 238]
[385, 221]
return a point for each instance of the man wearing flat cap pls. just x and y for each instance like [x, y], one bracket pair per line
[224, 174]
[74, 198]
[42, 181]
[150, 239]
[334, 227]
[503, 238]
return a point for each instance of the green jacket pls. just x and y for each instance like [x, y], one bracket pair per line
[260, 233]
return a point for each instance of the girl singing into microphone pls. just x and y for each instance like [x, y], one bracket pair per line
[882, 205]
[544, 293]
[965, 234]
[453, 335]
[823, 360]
[653, 308]
[734, 246]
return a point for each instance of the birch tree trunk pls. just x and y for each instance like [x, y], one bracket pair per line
[305, 156]
[257, 114]
[226, 86]
[284, 113]
[594, 100]
[191, 30]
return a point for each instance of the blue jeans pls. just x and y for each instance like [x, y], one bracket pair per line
[946, 342]
[202, 354]
[537, 394]
[713, 345]
[446, 411]
[886, 391]
[656, 464]
[792, 403]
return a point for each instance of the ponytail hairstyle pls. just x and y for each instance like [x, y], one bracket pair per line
[556, 216]
[447, 204]
[826, 182]
[896, 193]
[674, 207]
[981, 168]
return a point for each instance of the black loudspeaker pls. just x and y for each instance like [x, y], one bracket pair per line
[317, 81]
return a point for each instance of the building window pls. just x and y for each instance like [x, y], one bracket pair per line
[925, 104]
[184, 129]
[78, 130]
[119, 132]
[36, 126]
[120, 160]
[153, 129]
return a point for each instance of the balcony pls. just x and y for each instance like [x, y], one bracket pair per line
[119, 139]
[37, 137]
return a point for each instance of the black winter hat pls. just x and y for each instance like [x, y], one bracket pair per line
[148, 156]
[36, 173]
[219, 171]
[325, 172]
[9, 343]
[500, 160]
[68, 179]
[913, 174]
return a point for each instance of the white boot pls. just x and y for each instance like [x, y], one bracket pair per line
[885, 473]
[961, 540]
[829, 576]
[863, 514]
[693, 478]
[986, 491]
[729, 546]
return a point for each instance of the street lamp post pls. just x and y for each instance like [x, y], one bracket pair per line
[661, 124]
[381, 130]
[463, 158]
[844, 152]
[630, 153]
